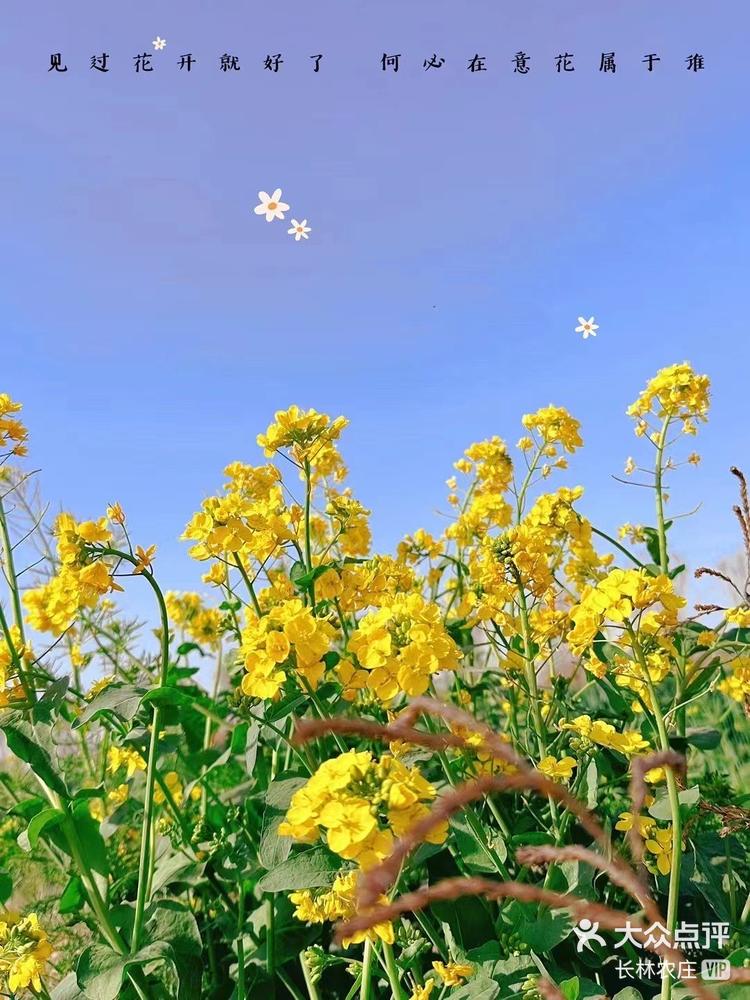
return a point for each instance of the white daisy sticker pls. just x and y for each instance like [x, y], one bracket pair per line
[159, 43]
[271, 205]
[588, 327]
[299, 230]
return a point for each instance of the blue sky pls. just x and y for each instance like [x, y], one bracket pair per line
[461, 223]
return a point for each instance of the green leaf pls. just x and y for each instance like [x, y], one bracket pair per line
[87, 830]
[472, 854]
[89, 793]
[188, 647]
[546, 931]
[100, 970]
[571, 988]
[6, 886]
[251, 750]
[67, 989]
[273, 850]
[689, 798]
[173, 868]
[174, 923]
[89, 838]
[652, 544]
[589, 989]
[280, 791]
[73, 896]
[738, 635]
[122, 700]
[734, 991]
[51, 700]
[592, 785]
[578, 877]
[619, 705]
[488, 952]
[479, 987]
[706, 869]
[29, 838]
[230, 605]
[167, 696]
[461, 635]
[629, 993]
[239, 737]
[308, 869]
[33, 745]
[604, 650]
[705, 739]
[286, 706]
[302, 579]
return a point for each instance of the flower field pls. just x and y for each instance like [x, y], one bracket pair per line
[509, 760]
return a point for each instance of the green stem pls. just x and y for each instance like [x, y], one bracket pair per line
[15, 596]
[674, 807]
[146, 859]
[308, 533]
[271, 943]
[208, 728]
[322, 711]
[472, 818]
[295, 993]
[249, 585]
[393, 977]
[658, 476]
[312, 990]
[15, 657]
[365, 989]
[240, 943]
[536, 708]
[430, 933]
[732, 883]
[617, 545]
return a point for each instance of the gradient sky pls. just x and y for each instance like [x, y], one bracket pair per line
[461, 223]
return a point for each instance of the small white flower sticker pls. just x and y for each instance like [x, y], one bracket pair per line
[159, 43]
[271, 205]
[299, 230]
[588, 327]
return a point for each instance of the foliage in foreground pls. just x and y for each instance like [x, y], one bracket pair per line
[499, 732]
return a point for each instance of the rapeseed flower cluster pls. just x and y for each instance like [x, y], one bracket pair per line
[400, 646]
[308, 438]
[360, 804]
[13, 434]
[738, 616]
[249, 520]
[553, 430]
[485, 506]
[339, 902]
[675, 393]
[289, 634]
[605, 735]
[24, 950]
[617, 600]
[199, 623]
[737, 682]
[350, 523]
[81, 579]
